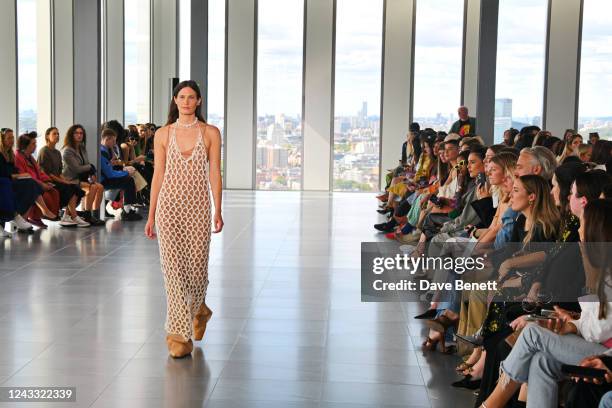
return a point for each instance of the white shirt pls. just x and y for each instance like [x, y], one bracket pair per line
[590, 326]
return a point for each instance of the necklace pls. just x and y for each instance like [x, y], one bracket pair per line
[192, 124]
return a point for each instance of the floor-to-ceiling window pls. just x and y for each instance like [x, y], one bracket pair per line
[595, 106]
[521, 48]
[437, 62]
[359, 25]
[184, 40]
[27, 65]
[279, 94]
[215, 93]
[137, 61]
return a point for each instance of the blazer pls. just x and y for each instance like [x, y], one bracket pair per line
[75, 163]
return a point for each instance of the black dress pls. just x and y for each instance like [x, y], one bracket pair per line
[25, 191]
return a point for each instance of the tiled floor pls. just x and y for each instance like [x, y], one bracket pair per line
[86, 308]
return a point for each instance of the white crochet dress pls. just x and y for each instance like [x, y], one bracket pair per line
[183, 220]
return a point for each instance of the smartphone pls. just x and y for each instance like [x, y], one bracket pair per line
[469, 229]
[548, 313]
[583, 372]
[536, 317]
[481, 179]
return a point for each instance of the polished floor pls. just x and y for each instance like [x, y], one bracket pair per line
[86, 308]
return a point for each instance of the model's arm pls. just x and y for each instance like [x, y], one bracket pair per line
[161, 139]
[214, 159]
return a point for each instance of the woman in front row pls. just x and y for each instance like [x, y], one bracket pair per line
[78, 169]
[539, 352]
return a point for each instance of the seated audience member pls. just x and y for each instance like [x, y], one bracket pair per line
[19, 192]
[551, 142]
[50, 160]
[585, 152]
[77, 169]
[540, 138]
[568, 135]
[465, 125]
[559, 277]
[602, 153]
[498, 167]
[117, 179]
[432, 230]
[570, 338]
[536, 160]
[129, 147]
[570, 148]
[25, 163]
[510, 137]
[593, 138]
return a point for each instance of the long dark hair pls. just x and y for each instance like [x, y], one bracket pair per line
[566, 175]
[597, 235]
[173, 112]
[69, 138]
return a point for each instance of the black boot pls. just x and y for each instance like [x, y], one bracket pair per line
[386, 226]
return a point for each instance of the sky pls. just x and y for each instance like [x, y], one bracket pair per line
[522, 28]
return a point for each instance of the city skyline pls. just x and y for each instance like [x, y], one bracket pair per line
[359, 56]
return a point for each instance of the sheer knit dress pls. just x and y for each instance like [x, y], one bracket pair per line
[183, 220]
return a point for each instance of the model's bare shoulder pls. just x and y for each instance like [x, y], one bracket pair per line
[162, 135]
[213, 132]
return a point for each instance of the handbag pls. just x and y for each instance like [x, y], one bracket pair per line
[139, 181]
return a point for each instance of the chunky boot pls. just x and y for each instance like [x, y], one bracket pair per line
[177, 346]
[200, 320]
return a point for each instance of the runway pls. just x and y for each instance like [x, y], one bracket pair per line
[86, 308]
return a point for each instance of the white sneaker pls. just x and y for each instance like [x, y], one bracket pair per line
[21, 224]
[5, 234]
[81, 223]
[67, 221]
[116, 212]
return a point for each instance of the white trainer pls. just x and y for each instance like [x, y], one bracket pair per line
[5, 234]
[81, 223]
[67, 221]
[116, 212]
[21, 224]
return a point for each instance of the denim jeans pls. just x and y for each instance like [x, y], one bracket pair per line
[606, 401]
[536, 359]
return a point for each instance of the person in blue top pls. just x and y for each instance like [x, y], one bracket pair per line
[117, 179]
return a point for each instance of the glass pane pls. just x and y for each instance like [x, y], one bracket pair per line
[185, 40]
[595, 108]
[279, 94]
[27, 65]
[357, 94]
[521, 47]
[137, 61]
[437, 62]
[216, 68]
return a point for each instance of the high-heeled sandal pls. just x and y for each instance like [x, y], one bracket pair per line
[429, 344]
[441, 324]
[463, 366]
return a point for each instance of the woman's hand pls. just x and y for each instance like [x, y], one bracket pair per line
[504, 268]
[218, 222]
[483, 191]
[595, 362]
[150, 229]
[558, 326]
[519, 323]
[565, 315]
